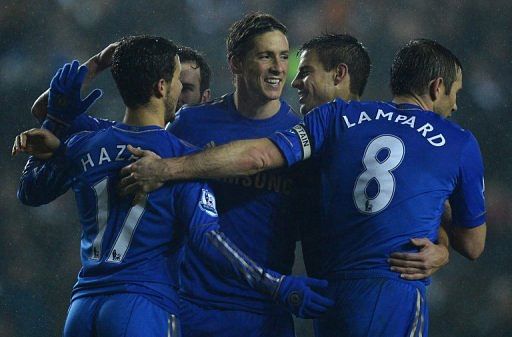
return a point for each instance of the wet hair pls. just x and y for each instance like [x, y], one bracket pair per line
[242, 32]
[333, 49]
[188, 54]
[419, 62]
[138, 63]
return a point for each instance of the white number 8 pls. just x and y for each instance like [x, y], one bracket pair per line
[380, 171]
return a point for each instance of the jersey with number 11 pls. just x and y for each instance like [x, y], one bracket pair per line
[130, 244]
[385, 171]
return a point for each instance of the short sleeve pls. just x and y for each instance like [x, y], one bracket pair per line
[467, 200]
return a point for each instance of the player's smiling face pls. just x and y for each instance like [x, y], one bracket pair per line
[264, 68]
[446, 104]
[315, 85]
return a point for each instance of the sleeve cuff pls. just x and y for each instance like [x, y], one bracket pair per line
[471, 223]
[282, 143]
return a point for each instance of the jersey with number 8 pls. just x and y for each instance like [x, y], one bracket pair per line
[385, 172]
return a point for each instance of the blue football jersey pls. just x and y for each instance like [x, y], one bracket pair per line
[253, 211]
[128, 244]
[385, 172]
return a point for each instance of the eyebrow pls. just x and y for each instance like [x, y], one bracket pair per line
[272, 52]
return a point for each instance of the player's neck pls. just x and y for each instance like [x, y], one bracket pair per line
[255, 107]
[353, 97]
[421, 101]
[141, 116]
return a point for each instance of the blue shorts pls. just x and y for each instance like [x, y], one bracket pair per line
[197, 321]
[375, 307]
[119, 315]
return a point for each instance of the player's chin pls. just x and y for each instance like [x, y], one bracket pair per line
[273, 93]
[304, 109]
[170, 116]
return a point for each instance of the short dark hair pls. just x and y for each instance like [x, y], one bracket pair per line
[188, 54]
[138, 63]
[243, 31]
[333, 49]
[419, 62]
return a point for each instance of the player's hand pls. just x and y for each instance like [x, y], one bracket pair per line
[420, 265]
[39, 143]
[103, 59]
[96, 64]
[143, 175]
[64, 101]
[298, 295]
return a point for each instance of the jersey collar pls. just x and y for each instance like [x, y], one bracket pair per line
[134, 128]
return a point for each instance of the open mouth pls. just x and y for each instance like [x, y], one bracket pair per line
[274, 82]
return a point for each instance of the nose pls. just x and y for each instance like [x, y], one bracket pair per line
[278, 66]
[297, 82]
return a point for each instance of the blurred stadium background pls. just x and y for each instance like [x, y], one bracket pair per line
[39, 247]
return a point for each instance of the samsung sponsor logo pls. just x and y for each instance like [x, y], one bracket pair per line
[270, 181]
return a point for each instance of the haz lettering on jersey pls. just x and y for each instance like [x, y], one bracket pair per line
[435, 140]
[104, 156]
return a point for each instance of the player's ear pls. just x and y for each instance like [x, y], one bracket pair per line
[435, 88]
[159, 88]
[340, 73]
[206, 96]
[235, 64]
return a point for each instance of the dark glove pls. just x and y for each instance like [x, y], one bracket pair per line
[64, 101]
[298, 295]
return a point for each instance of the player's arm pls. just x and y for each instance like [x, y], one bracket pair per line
[468, 229]
[469, 242]
[196, 204]
[63, 125]
[43, 181]
[65, 104]
[244, 157]
[96, 64]
[430, 257]
[46, 174]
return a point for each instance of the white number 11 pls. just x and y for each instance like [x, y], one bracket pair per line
[124, 237]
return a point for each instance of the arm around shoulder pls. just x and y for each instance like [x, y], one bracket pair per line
[244, 157]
